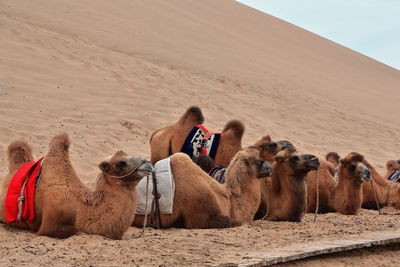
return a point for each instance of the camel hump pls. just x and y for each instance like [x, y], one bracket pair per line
[19, 152]
[59, 145]
[193, 115]
[236, 126]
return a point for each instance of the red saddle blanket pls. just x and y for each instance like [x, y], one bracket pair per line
[20, 198]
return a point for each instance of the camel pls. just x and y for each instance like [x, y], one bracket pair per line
[202, 202]
[267, 149]
[387, 192]
[287, 188]
[65, 206]
[393, 171]
[344, 195]
[169, 140]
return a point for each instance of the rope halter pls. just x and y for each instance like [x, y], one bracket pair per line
[129, 173]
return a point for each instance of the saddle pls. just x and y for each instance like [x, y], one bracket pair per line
[20, 198]
[395, 176]
[201, 141]
[218, 173]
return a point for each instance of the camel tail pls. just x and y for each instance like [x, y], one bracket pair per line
[18, 153]
[59, 145]
[236, 126]
[193, 115]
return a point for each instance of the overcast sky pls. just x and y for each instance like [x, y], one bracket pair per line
[371, 27]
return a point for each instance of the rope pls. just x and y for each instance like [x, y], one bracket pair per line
[317, 201]
[267, 213]
[145, 214]
[129, 173]
[21, 198]
[376, 197]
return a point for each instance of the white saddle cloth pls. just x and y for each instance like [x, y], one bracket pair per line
[165, 186]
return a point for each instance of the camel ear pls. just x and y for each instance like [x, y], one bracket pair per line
[279, 159]
[104, 166]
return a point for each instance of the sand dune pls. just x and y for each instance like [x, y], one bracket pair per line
[110, 73]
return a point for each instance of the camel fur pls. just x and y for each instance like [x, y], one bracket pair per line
[64, 205]
[201, 202]
[388, 193]
[287, 189]
[268, 149]
[169, 140]
[344, 195]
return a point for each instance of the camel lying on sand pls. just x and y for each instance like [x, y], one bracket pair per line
[267, 149]
[64, 205]
[201, 202]
[169, 140]
[393, 170]
[388, 193]
[346, 194]
[287, 188]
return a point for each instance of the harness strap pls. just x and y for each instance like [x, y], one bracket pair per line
[156, 203]
[21, 199]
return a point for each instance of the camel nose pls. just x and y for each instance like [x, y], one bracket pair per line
[366, 175]
[265, 170]
[312, 161]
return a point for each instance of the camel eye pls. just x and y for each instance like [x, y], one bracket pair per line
[352, 167]
[294, 159]
[272, 146]
[120, 164]
[259, 162]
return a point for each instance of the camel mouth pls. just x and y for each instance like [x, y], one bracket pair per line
[366, 176]
[313, 163]
[265, 170]
[145, 168]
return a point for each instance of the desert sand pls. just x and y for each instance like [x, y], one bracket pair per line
[111, 72]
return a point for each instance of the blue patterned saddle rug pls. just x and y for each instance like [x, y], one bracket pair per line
[201, 141]
[395, 176]
[218, 173]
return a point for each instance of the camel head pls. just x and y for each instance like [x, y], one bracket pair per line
[392, 165]
[295, 164]
[353, 166]
[268, 148]
[246, 166]
[119, 167]
[205, 162]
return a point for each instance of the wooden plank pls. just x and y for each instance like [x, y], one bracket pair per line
[318, 248]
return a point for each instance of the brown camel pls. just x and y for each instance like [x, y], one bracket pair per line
[64, 205]
[388, 193]
[393, 171]
[169, 140]
[267, 149]
[201, 202]
[346, 194]
[287, 188]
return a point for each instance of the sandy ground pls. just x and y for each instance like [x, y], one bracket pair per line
[181, 247]
[111, 72]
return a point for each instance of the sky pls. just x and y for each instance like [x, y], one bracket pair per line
[370, 27]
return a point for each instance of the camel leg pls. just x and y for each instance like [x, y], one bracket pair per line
[53, 226]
